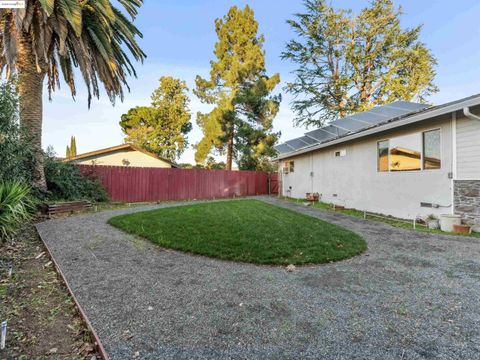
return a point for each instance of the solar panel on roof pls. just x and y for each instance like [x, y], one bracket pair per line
[301, 142]
[370, 118]
[388, 112]
[357, 118]
[283, 148]
[308, 140]
[335, 130]
[320, 135]
[352, 124]
[296, 144]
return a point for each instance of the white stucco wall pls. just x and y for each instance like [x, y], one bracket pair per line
[121, 157]
[355, 181]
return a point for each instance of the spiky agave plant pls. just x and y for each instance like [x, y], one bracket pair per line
[16, 207]
[50, 38]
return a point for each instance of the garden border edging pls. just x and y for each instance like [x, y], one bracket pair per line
[98, 344]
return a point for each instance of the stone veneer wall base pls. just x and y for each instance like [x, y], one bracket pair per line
[467, 201]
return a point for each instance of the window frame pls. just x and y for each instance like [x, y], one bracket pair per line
[378, 156]
[422, 165]
[291, 166]
[423, 149]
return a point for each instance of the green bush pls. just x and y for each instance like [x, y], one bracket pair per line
[16, 207]
[15, 152]
[65, 182]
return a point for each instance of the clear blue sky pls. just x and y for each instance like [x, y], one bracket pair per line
[179, 38]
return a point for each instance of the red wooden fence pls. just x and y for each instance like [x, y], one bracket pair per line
[133, 184]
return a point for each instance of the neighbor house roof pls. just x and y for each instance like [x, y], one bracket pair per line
[128, 147]
[378, 119]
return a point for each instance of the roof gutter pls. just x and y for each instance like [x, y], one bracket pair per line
[468, 114]
[425, 115]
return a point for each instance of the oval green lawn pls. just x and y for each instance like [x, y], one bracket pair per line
[244, 230]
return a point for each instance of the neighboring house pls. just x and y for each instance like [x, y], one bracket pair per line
[122, 155]
[403, 159]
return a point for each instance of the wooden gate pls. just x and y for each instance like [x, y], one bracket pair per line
[273, 183]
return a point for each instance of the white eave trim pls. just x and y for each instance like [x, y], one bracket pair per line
[425, 115]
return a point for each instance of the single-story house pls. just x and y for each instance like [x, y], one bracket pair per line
[403, 159]
[122, 155]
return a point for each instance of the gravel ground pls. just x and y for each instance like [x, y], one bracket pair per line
[412, 295]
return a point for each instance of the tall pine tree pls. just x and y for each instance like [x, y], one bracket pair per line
[238, 87]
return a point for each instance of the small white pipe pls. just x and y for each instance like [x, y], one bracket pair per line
[454, 159]
[468, 114]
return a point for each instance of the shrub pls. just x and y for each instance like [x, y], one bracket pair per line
[16, 207]
[66, 182]
[15, 152]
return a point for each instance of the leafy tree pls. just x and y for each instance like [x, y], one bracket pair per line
[238, 86]
[161, 128]
[50, 37]
[212, 164]
[15, 152]
[349, 63]
[185, 166]
[72, 148]
[255, 149]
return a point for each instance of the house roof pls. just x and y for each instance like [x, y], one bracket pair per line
[381, 118]
[130, 147]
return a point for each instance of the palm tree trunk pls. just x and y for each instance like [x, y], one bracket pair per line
[30, 89]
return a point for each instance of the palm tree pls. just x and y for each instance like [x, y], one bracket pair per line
[50, 37]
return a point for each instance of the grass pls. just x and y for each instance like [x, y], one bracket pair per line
[395, 222]
[246, 231]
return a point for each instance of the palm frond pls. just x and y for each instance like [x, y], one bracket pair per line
[91, 35]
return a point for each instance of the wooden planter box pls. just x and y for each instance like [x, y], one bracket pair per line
[313, 197]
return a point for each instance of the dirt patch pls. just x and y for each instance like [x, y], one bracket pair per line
[43, 320]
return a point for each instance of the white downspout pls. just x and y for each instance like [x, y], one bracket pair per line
[454, 158]
[468, 114]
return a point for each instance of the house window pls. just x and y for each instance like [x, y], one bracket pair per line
[431, 150]
[406, 153]
[291, 166]
[382, 163]
[413, 152]
[288, 167]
